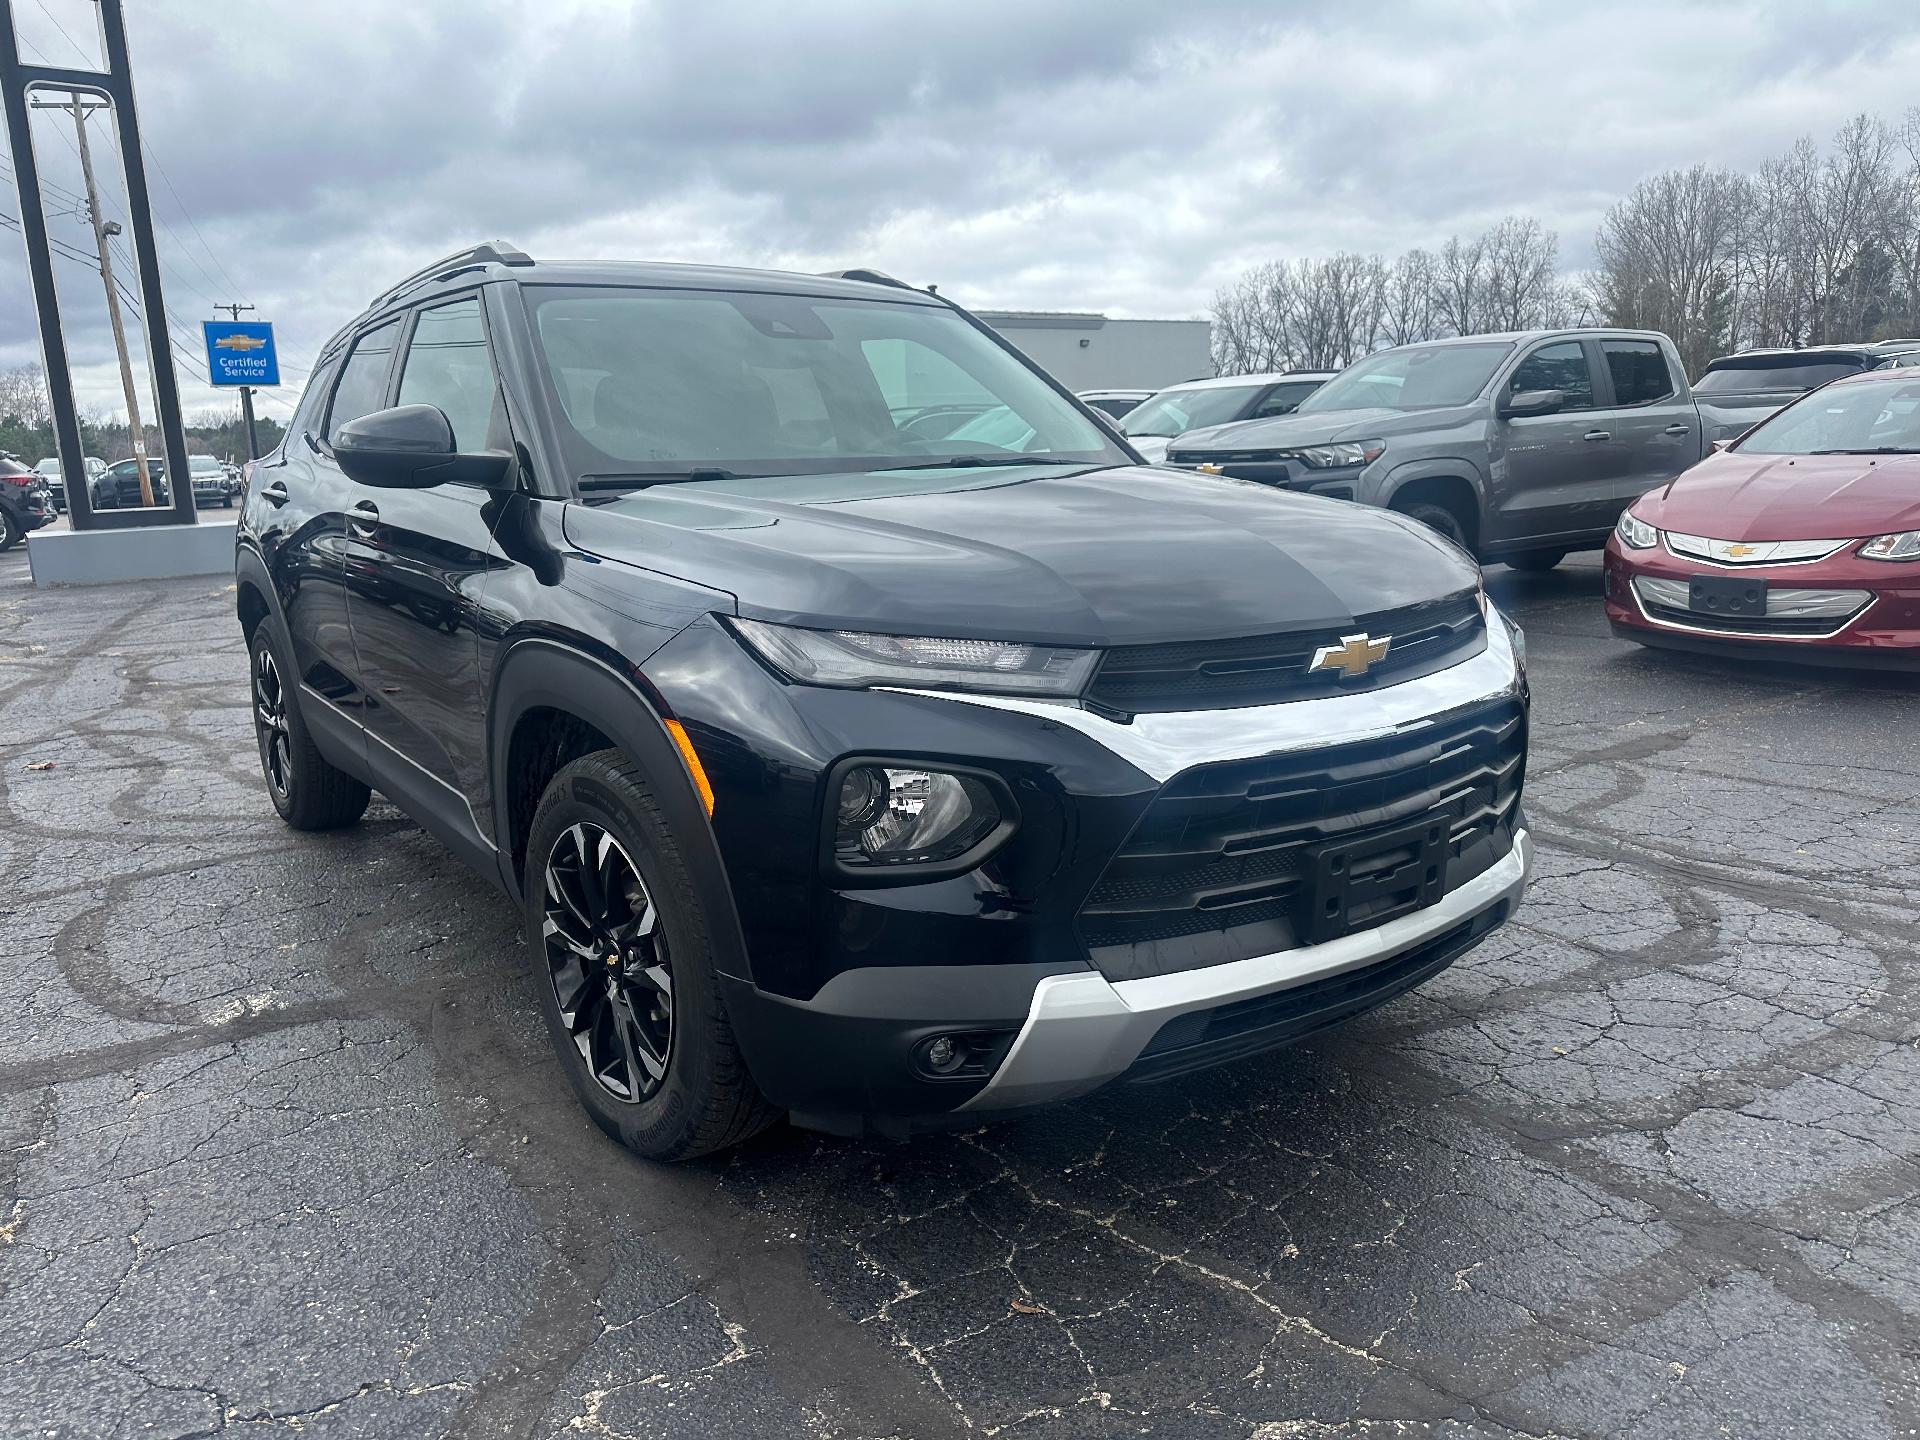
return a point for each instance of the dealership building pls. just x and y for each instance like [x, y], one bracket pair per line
[1093, 352]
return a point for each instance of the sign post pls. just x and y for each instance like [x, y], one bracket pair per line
[240, 353]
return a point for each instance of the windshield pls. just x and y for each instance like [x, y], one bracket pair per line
[1174, 412]
[1784, 373]
[203, 465]
[1415, 377]
[1867, 419]
[658, 383]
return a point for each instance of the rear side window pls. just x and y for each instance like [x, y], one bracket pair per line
[1560, 366]
[1639, 371]
[363, 379]
[1284, 399]
[448, 367]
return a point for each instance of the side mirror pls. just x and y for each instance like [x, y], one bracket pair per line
[1532, 402]
[1718, 445]
[410, 447]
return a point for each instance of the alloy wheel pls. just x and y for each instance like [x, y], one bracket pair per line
[607, 959]
[270, 722]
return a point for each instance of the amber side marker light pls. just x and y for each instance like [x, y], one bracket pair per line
[694, 767]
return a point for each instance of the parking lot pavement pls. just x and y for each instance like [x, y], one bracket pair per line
[280, 1144]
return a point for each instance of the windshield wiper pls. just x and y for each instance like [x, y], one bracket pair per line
[593, 484]
[1871, 450]
[979, 462]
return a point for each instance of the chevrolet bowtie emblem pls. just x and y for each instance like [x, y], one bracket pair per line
[1209, 469]
[1738, 552]
[1353, 656]
[241, 343]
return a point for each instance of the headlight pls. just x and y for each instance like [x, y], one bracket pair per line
[1351, 452]
[854, 660]
[1903, 546]
[890, 815]
[1635, 533]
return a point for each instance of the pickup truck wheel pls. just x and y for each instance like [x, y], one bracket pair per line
[624, 968]
[1439, 517]
[1535, 562]
[309, 792]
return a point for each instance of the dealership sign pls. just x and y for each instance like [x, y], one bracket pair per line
[240, 352]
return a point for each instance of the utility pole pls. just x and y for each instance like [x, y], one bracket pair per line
[102, 228]
[246, 391]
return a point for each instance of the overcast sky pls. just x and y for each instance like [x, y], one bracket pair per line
[1122, 157]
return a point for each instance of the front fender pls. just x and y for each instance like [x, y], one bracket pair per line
[540, 672]
[1432, 467]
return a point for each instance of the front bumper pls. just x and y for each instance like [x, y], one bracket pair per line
[1882, 628]
[848, 985]
[1084, 1030]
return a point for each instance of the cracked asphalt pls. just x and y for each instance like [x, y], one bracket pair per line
[281, 1148]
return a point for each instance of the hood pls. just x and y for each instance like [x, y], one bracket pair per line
[1738, 496]
[1287, 432]
[1121, 556]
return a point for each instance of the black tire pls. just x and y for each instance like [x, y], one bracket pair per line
[226, 501]
[1535, 562]
[309, 792]
[1439, 517]
[701, 1098]
[10, 531]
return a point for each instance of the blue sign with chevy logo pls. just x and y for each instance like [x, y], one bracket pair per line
[240, 352]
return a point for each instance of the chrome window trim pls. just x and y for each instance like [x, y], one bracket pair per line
[1163, 744]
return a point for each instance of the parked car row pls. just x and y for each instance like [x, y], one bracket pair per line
[867, 734]
[117, 486]
[25, 502]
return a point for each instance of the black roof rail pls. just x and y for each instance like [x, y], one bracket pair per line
[488, 252]
[867, 274]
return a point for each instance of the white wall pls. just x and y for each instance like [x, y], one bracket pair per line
[1088, 352]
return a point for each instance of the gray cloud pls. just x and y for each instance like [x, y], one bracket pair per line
[1124, 156]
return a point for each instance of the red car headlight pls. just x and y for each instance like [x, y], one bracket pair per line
[1904, 545]
[1635, 533]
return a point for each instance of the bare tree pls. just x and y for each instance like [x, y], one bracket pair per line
[1407, 300]
[1459, 294]
[1666, 258]
[1522, 265]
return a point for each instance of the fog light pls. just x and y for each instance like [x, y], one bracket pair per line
[942, 1054]
[888, 816]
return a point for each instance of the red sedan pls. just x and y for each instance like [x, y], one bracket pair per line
[1800, 540]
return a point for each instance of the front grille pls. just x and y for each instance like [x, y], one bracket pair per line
[1747, 624]
[1266, 669]
[1247, 1027]
[1214, 871]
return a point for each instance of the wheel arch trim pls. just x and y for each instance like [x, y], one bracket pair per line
[538, 672]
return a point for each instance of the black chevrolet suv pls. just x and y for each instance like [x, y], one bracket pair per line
[877, 779]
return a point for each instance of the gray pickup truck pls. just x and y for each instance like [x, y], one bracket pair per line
[1521, 447]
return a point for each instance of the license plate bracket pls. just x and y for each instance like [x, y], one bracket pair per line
[1734, 597]
[1361, 881]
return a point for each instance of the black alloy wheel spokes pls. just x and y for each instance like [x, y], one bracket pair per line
[270, 722]
[607, 958]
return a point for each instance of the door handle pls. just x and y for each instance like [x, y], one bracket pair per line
[1597, 435]
[274, 494]
[1676, 430]
[363, 519]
